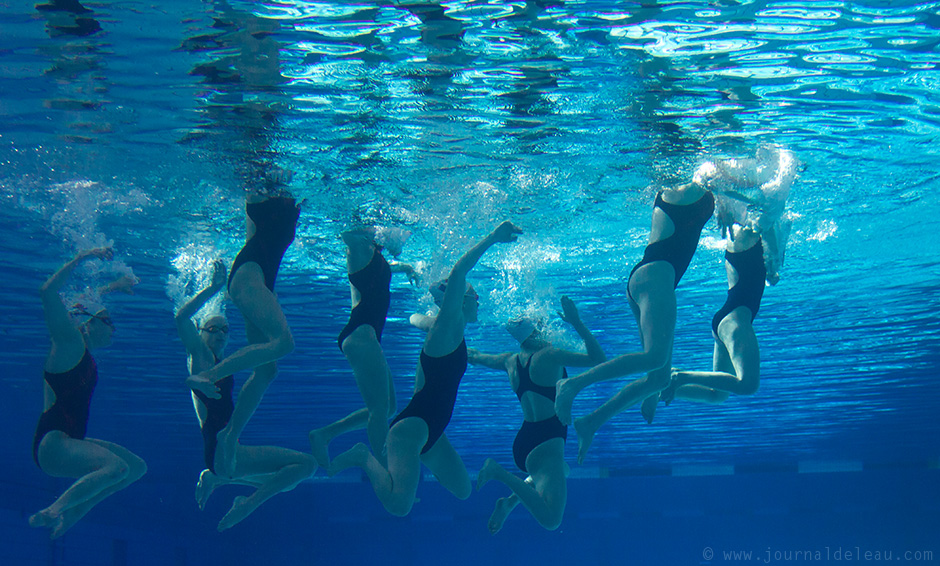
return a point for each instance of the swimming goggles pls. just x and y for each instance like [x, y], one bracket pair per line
[215, 329]
[78, 308]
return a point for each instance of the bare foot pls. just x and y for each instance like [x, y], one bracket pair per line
[564, 399]
[504, 506]
[241, 508]
[55, 521]
[585, 437]
[487, 473]
[44, 518]
[356, 457]
[205, 486]
[67, 520]
[648, 408]
[225, 454]
[668, 395]
[319, 447]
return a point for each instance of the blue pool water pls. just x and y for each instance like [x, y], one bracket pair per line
[138, 124]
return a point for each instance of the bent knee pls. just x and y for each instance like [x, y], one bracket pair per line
[399, 508]
[138, 468]
[749, 387]
[309, 466]
[463, 491]
[285, 345]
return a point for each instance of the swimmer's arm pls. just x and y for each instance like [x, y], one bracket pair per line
[61, 329]
[187, 330]
[422, 321]
[406, 268]
[595, 354]
[491, 361]
[457, 281]
[124, 284]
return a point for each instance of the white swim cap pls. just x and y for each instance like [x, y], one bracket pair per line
[522, 328]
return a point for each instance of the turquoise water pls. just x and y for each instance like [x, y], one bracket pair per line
[139, 125]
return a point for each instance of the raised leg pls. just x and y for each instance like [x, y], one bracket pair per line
[655, 313]
[274, 470]
[320, 438]
[634, 392]
[396, 485]
[374, 380]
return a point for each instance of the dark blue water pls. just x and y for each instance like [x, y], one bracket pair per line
[139, 125]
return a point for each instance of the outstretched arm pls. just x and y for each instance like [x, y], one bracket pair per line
[61, 329]
[491, 361]
[595, 354]
[446, 331]
[406, 268]
[457, 280]
[124, 284]
[187, 330]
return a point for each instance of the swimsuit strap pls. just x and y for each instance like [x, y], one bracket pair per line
[526, 384]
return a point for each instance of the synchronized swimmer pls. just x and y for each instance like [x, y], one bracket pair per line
[370, 275]
[539, 447]
[269, 469]
[60, 447]
[750, 196]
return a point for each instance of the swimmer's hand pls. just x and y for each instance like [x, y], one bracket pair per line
[407, 269]
[219, 275]
[422, 321]
[506, 232]
[204, 386]
[100, 253]
[569, 312]
[125, 284]
[473, 356]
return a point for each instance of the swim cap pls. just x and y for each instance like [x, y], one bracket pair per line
[521, 328]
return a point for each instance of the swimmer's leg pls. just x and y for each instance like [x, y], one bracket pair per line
[276, 469]
[136, 468]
